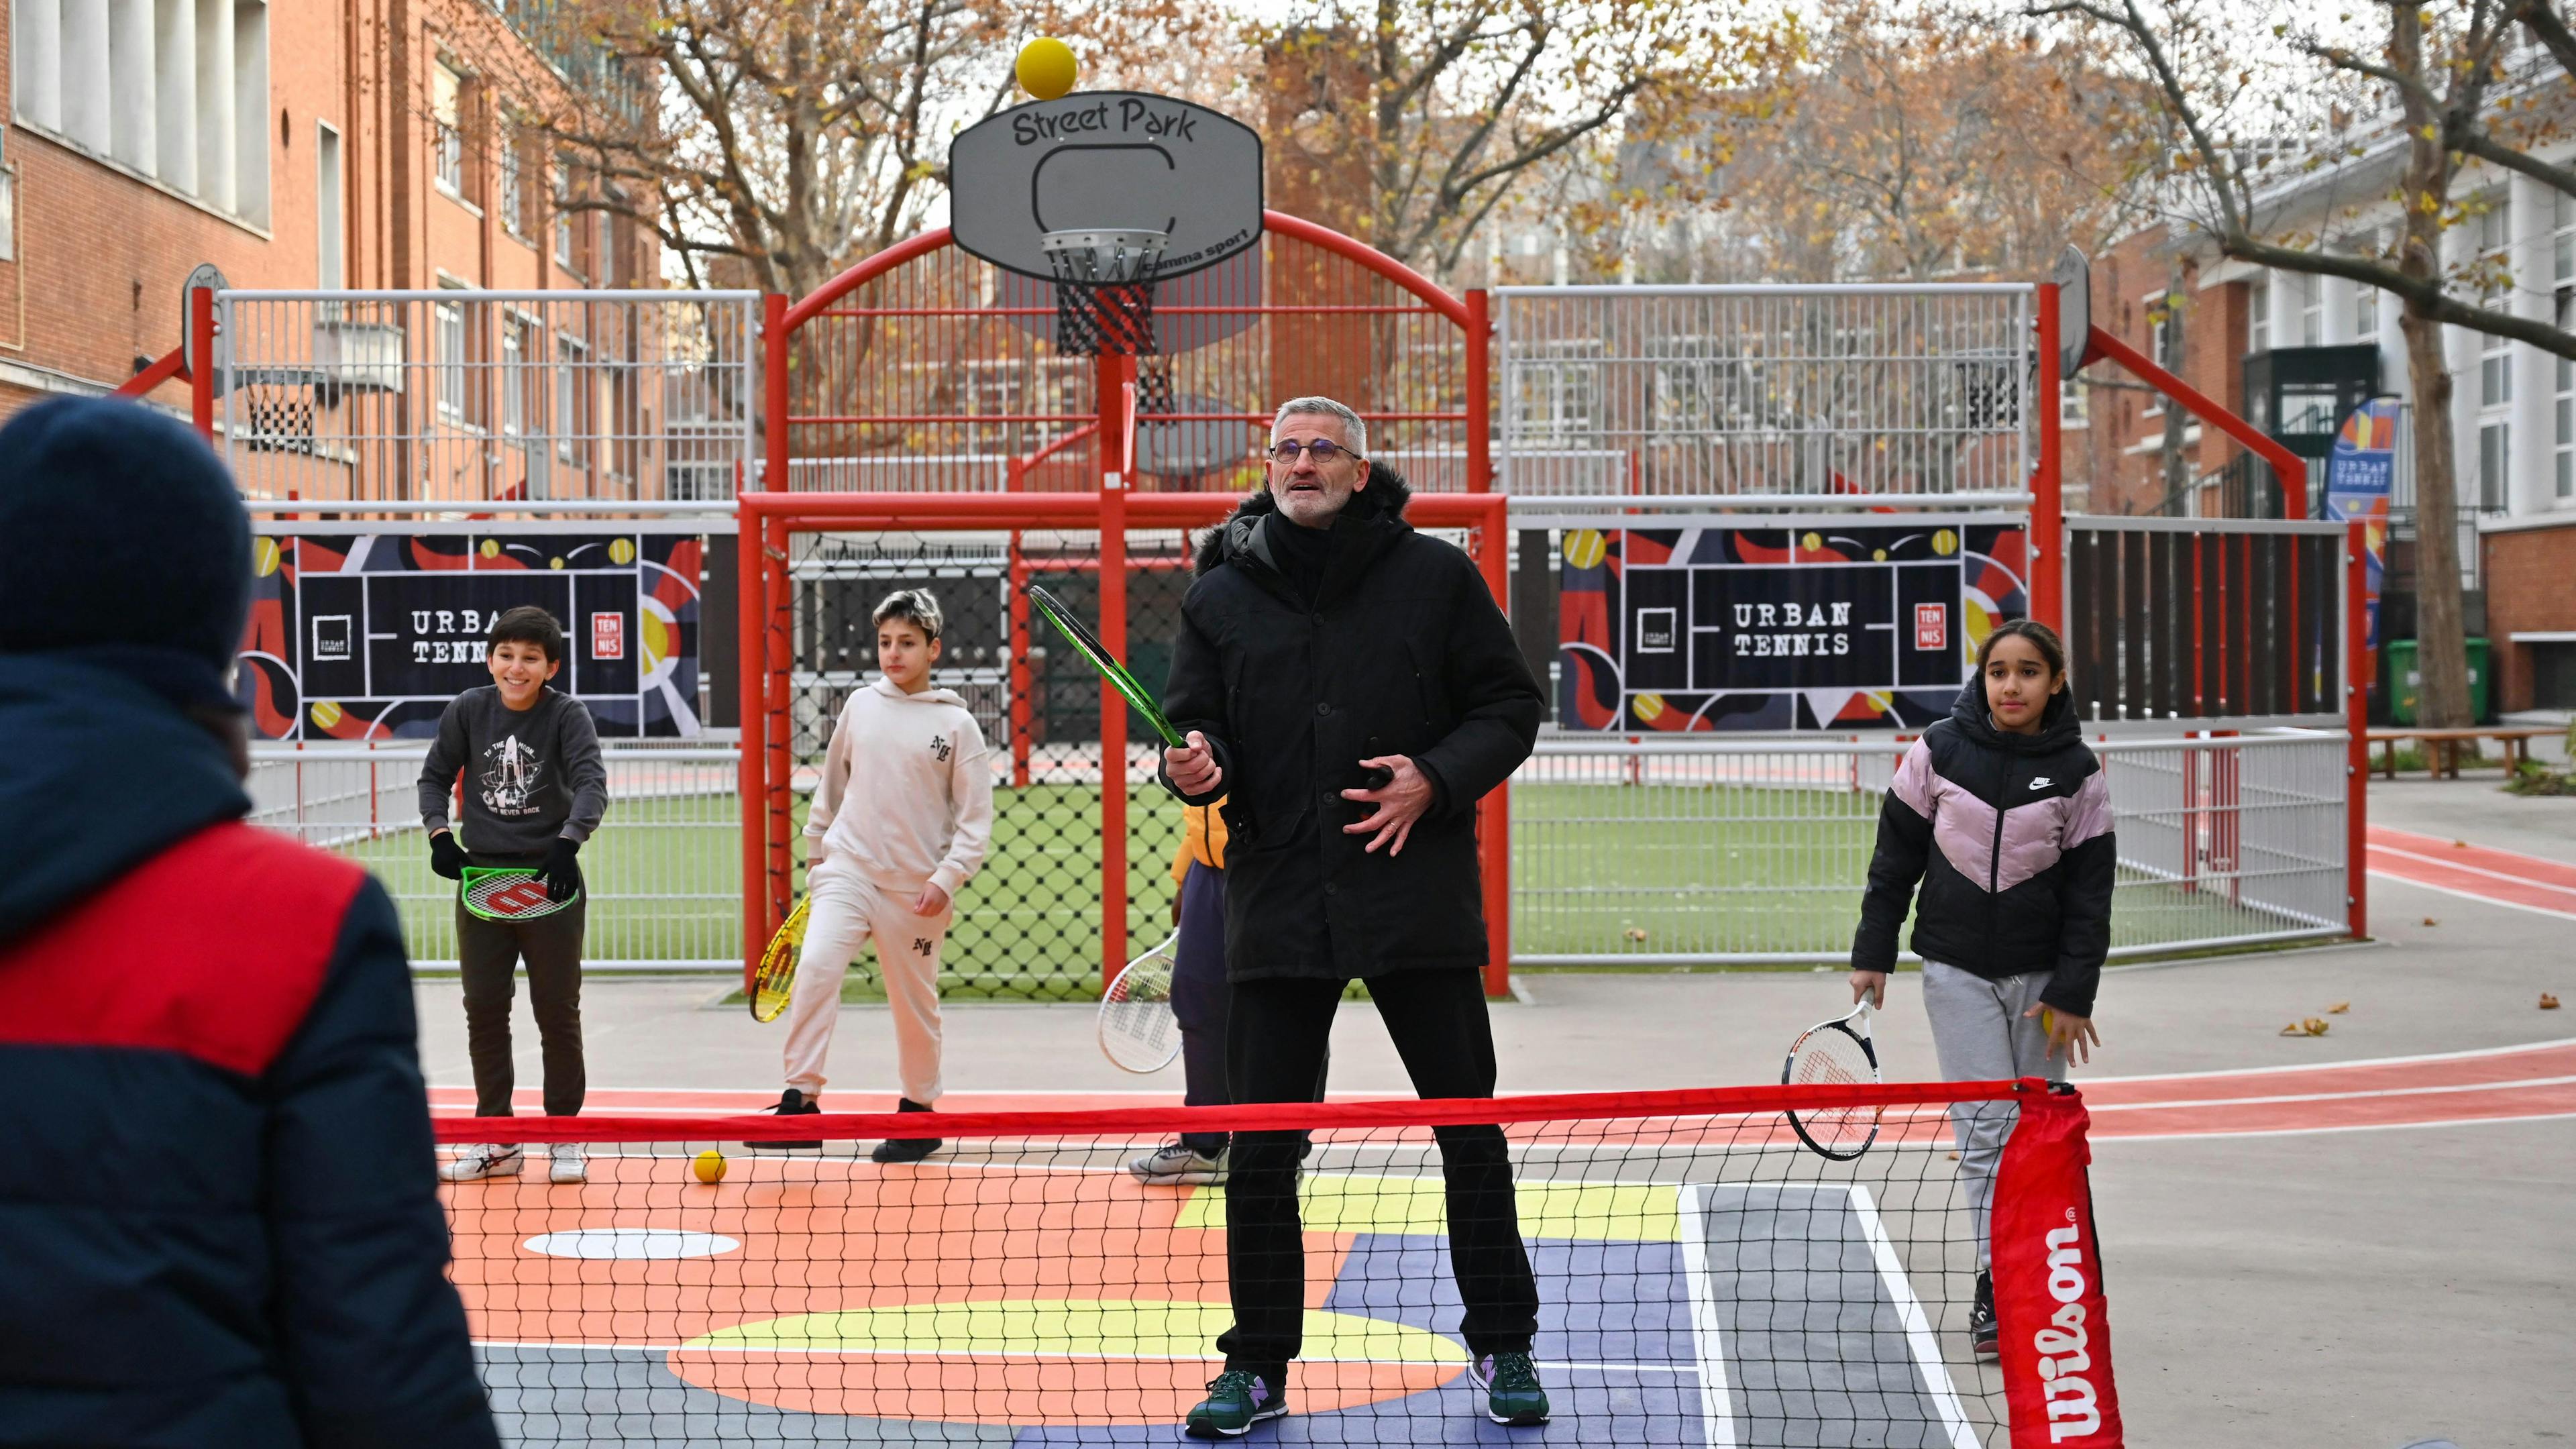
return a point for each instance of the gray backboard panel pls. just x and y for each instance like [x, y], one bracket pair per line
[1106, 160]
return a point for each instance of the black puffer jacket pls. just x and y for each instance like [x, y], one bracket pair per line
[2010, 835]
[1404, 653]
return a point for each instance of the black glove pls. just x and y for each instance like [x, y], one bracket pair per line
[562, 871]
[446, 857]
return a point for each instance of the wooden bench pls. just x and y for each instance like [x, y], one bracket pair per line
[2444, 745]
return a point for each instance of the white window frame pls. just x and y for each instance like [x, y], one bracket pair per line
[447, 128]
[572, 405]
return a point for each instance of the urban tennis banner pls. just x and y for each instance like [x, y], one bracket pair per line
[356, 636]
[1823, 623]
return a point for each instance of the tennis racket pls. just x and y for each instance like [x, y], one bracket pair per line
[1138, 1031]
[1835, 1053]
[776, 978]
[508, 893]
[1101, 659]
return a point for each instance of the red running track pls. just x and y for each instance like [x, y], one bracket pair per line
[2497, 877]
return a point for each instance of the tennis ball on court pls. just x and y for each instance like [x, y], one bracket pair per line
[709, 1166]
[1045, 68]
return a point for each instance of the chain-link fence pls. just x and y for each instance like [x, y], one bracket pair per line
[1679, 852]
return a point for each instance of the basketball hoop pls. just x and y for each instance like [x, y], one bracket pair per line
[1104, 289]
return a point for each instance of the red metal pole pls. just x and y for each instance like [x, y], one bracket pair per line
[1117, 391]
[750, 608]
[773, 392]
[1019, 647]
[1494, 812]
[2356, 765]
[201, 361]
[1480, 372]
[780, 754]
[2048, 502]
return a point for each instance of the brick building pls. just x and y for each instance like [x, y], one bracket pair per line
[292, 144]
[2513, 419]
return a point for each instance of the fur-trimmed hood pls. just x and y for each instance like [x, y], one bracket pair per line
[1385, 498]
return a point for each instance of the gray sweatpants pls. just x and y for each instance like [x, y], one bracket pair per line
[1981, 1035]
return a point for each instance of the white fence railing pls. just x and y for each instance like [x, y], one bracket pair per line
[1766, 390]
[662, 876]
[1633, 853]
[1644, 852]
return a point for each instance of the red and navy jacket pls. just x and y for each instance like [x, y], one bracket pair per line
[2010, 835]
[219, 1222]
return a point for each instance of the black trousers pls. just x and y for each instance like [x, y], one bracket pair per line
[1276, 1037]
[488, 954]
[1201, 998]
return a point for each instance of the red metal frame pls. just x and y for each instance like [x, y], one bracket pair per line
[2286, 465]
[2048, 491]
[767, 517]
[2356, 707]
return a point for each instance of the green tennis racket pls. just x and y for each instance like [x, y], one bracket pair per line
[1101, 659]
[508, 893]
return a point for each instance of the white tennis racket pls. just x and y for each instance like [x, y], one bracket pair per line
[1836, 1053]
[1138, 1031]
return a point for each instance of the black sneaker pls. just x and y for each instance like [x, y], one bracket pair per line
[1983, 1336]
[905, 1149]
[1237, 1399]
[792, 1103]
[1513, 1396]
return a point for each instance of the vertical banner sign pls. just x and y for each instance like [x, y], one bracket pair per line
[2050, 1309]
[368, 635]
[2358, 474]
[1824, 623]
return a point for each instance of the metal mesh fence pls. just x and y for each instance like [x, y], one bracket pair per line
[1646, 852]
[474, 396]
[1765, 390]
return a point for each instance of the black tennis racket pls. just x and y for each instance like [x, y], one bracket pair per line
[1101, 659]
[1835, 1053]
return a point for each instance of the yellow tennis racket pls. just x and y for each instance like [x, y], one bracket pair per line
[771, 985]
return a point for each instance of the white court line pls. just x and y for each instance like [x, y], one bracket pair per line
[1918, 1327]
[2221, 1134]
[2409, 880]
[2330, 1096]
[1716, 1414]
[2441, 864]
[2496, 1051]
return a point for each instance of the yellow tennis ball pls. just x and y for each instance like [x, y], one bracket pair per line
[1046, 68]
[709, 1166]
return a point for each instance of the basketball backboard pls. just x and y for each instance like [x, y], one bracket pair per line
[1108, 160]
[2074, 278]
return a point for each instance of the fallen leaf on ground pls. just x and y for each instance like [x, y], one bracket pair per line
[2313, 1026]
[2428, 920]
[2339, 1008]
[2548, 1002]
[2459, 845]
[1636, 935]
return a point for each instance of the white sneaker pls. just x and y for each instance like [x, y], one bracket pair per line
[569, 1164]
[482, 1159]
[1176, 1163]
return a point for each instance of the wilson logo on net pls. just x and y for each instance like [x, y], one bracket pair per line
[2073, 1410]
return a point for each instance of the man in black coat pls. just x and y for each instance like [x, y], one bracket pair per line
[1352, 690]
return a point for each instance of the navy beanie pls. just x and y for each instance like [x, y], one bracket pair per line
[122, 541]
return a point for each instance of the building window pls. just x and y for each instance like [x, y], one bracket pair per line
[2566, 439]
[447, 128]
[2365, 312]
[572, 391]
[2071, 404]
[2312, 311]
[329, 225]
[2495, 456]
[513, 197]
[174, 91]
[2495, 371]
[449, 320]
[2258, 326]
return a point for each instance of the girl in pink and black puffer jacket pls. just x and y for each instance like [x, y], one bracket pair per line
[2004, 816]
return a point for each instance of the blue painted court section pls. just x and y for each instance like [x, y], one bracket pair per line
[1780, 1318]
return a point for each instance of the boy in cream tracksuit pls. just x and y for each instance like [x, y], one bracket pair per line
[900, 821]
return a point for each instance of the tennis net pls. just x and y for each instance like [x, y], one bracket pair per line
[1702, 1277]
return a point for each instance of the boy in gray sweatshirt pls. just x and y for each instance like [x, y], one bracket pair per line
[534, 788]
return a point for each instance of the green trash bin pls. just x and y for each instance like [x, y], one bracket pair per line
[2410, 681]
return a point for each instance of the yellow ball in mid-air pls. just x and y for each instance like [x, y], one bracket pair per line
[709, 1166]
[1046, 68]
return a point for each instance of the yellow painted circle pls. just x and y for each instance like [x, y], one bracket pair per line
[263, 557]
[1945, 543]
[325, 713]
[1105, 1328]
[621, 550]
[491, 548]
[657, 639]
[1045, 68]
[709, 1166]
[1647, 707]
[555, 564]
[1585, 548]
[1878, 555]
[1812, 542]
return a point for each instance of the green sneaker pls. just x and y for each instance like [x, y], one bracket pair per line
[1512, 1393]
[1231, 1408]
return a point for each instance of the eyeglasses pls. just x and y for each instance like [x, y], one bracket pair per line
[1322, 450]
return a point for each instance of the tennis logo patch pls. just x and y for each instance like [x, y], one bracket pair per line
[2074, 1409]
[510, 900]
